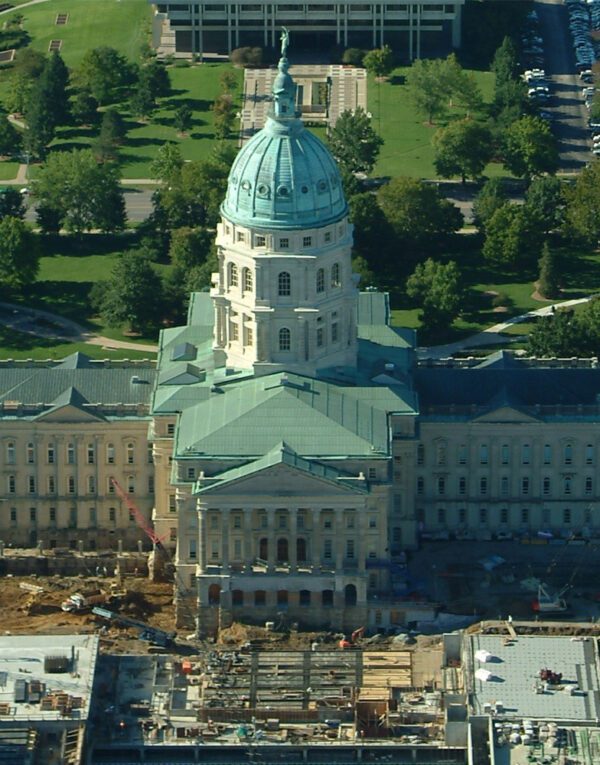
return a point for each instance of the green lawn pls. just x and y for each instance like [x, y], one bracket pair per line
[123, 25]
[69, 269]
[199, 86]
[482, 282]
[407, 148]
[8, 170]
[18, 345]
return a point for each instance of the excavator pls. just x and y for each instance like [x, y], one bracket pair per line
[354, 639]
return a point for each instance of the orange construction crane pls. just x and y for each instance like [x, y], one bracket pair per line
[140, 518]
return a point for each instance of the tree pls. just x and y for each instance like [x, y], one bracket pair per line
[56, 82]
[246, 56]
[436, 288]
[557, 336]
[40, 123]
[491, 197]
[189, 247]
[103, 71]
[133, 294]
[112, 133]
[426, 89]
[462, 148]
[228, 81]
[372, 233]
[548, 282]
[142, 101]
[510, 238]
[460, 86]
[11, 204]
[505, 64]
[379, 61]
[84, 194]
[530, 148]
[353, 56]
[417, 211]
[167, 164]
[156, 78]
[182, 119]
[19, 254]
[353, 142]
[84, 108]
[583, 205]
[545, 203]
[224, 118]
[10, 138]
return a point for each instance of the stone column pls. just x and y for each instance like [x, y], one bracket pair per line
[361, 539]
[271, 540]
[225, 540]
[339, 539]
[248, 540]
[317, 552]
[201, 508]
[456, 26]
[293, 538]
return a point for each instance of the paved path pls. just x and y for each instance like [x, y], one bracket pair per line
[33, 321]
[25, 5]
[493, 335]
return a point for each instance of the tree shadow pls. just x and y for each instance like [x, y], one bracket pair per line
[198, 136]
[133, 142]
[397, 79]
[86, 244]
[196, 104]
[68, 299]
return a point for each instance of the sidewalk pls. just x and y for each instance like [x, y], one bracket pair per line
[492, 335]
[34, 321]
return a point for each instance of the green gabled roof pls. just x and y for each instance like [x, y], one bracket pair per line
[249, 417]
[281, 454]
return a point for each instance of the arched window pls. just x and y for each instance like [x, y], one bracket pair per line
[232, 278]
[30, 453]
[568, 454]
[285, 339]
[247, 280]
[350, 595]
[321, 280]
[335, 275]
[282, 550]
[237, 597]
[304, 598]
[284, 284]
[301, 550]
[130, 484]
[10, 453]
[91, 484]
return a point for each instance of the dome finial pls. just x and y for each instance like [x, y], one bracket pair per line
[284, 87]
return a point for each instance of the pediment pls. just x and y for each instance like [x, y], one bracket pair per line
[68, 413]
[506, 414]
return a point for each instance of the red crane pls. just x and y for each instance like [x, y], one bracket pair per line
[140, 518]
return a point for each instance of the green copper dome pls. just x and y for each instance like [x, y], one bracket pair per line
[284, 177]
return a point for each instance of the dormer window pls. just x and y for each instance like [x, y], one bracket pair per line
[284, 243]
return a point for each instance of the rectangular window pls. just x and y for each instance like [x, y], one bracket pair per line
[51, 454]
[173, 534]
[191, 473]
[112, 514]
[10, 453]
[483, 485]
[91, 484]
[334, 332]
[13, 514]
[441, 515]
[462, 485]
[525, 454]
[70, 485]
[420, 486]
[51, 484]
[504, 454]
[350, 549]
[93, 517]
[462, 454]
[259, 241]
[70, 454]
[504, 485]
[546, 486]
[32, 514]
[91, 454]
[320, 337]
[237, 549]
[441, 485]
[284, 243]
[110, 454]
[589, 454]
[504, 515]
[524, 515]
[567, 515]
[306, 241]
[30, 454]
[547, 454]
[193, 550]
[12, 484]
[372, 473]
[150, 455]
[327, 237]
[52, 515]
[234, 331]
[150, 484]
[588, 485]
[239, 236]
[372, 521]
[31, 484]
[171, 429]
[327, 549]
[525, 485]
[172, 504]
[350, 520]
[248, 336]
[483, 515]
[462, 515]
[483, 454]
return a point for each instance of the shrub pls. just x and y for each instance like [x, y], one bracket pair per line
[353, 56]
[247, 56]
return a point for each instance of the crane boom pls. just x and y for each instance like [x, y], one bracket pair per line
[137, 514]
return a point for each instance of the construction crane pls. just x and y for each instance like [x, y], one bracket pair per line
[140, 518]
[150, 634]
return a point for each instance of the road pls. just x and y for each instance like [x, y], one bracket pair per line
[570, 124]
[138, 204]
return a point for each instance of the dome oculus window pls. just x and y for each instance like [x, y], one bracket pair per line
[283, 191]
[246, 185]
[304, 189]
[263, 190]
[322, 186]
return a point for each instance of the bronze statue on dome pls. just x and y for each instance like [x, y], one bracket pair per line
[285, 41]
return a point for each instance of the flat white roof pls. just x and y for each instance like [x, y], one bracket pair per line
[23, 662]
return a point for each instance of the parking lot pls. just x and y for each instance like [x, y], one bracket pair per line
[567, 50]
